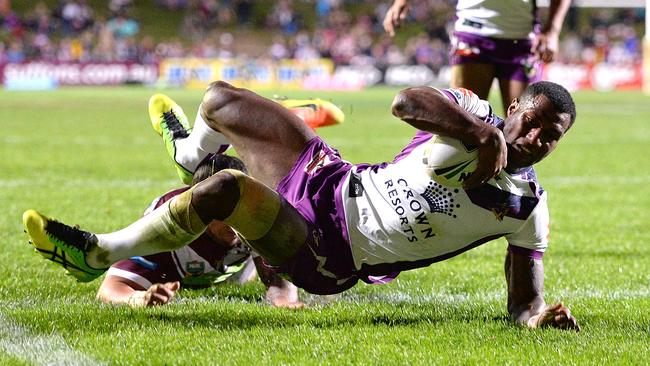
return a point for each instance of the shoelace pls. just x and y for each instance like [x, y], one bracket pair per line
[174, 126]
[73, 236]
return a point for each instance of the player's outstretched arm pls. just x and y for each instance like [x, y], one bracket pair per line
[279, 292]
[525, 280]
[116, 290]
[427, 109]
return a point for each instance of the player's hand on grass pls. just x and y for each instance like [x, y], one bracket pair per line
[284, 294]
[395, 16]
[492, 158]
[283, 302]
[157, 294]
[556, 316]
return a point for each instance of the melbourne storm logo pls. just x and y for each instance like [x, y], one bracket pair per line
[440, 199]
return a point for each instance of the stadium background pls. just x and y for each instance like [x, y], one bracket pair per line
[318, 44]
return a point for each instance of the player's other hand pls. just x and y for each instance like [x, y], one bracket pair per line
[284, 302]
[556, 316]
[395, 16]
[161, 293]
[545, 46]
[492, 158]
[284, 294]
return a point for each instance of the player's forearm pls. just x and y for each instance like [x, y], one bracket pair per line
[115, 293]
[556, 14]
[525, 282]
[428, 110]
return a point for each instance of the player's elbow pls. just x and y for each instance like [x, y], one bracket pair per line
[408, 102]
[402, 103]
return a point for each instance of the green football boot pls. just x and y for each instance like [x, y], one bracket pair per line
[62, 244]
[170, 122]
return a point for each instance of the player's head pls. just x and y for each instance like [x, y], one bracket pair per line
[536, 122]
[214, 163]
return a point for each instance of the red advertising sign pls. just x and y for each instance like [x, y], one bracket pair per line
[600, 76]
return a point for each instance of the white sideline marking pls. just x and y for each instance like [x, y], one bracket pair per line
[39, 349]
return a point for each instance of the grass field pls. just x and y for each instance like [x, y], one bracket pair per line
[88, 156]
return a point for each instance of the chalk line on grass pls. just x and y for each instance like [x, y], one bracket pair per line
[39, 349]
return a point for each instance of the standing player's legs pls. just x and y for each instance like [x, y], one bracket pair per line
[510, 89]
[515, 69]
[476, 77]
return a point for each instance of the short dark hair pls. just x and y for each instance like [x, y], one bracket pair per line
[214, 163]
[556, 94]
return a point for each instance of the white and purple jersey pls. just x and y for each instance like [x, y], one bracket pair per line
[398, 218]
[199, 264]
[503, 19]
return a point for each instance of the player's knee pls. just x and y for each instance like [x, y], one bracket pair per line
[216, 197]
[217, 96]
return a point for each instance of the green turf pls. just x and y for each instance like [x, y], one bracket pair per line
[88, 156]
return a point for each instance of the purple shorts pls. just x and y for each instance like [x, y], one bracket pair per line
[511, 58]
[324, 264]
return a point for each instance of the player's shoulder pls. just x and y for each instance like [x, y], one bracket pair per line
[469, 101]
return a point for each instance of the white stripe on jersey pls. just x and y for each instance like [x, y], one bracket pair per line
[145, 283]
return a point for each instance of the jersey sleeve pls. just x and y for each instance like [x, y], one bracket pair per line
[469, 101]
[532, 239]
[147, 270]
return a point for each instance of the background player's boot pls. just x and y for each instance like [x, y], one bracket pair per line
[170, 122]
[62, 244]
[315, 112]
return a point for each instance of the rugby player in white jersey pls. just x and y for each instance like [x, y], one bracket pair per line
[326, 223]
[499, 39]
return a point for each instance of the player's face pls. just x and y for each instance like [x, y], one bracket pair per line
[532, 131]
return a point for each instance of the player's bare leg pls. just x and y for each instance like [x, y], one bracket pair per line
[266, 135]
[510, 89]
[476, 77]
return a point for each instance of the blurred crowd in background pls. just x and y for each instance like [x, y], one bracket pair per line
[75, 31]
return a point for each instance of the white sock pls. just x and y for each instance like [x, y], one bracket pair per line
[153, 233]
[202, 141]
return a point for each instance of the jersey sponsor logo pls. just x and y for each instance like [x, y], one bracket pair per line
[194, 268]
[441, 199]
[413, 217]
